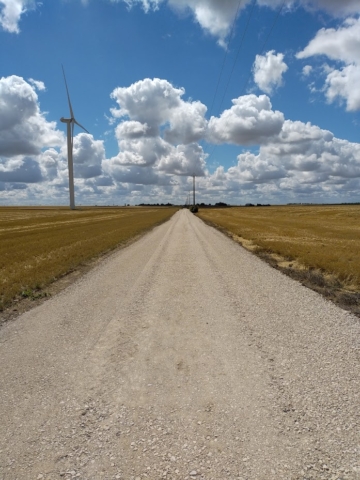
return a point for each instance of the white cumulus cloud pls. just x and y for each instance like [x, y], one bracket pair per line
[33, 153]
[344, 84]
[187, 123]
[307, 70]
[184, 160]
[11, 11]
[159, 129]
[216, 16]
[337, 8]
[132, 174]
[88, 155]
[311, 154]
[20, 169]
[149, 101]
[303, 163]
[144, 151]
[132, 129]
[37, 84]
[249, 121]
[268, 71]
[49, 162]
[339, 45]
[213, 16]
[24, 130]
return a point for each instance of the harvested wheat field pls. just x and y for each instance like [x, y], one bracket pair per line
[319, 245]
[39, 245]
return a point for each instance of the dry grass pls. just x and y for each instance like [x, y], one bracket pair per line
[320, 244]
[39, 245]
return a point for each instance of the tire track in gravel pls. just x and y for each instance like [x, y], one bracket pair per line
[182, 356]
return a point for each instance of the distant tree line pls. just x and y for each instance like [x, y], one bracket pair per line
[217, 205]
[344, 203]
[258, 205]
[155, 205]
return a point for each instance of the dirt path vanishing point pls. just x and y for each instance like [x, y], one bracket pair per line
[181, 357]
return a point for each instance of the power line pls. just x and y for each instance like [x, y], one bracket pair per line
[238, 52]
[225, 57]
[236, 58]
[265, 42]
[261, 52]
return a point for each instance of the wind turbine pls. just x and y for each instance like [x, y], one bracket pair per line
[70, 122]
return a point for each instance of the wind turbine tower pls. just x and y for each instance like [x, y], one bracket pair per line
[70, 123]
[194, 190]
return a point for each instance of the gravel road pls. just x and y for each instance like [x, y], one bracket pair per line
[182, 356]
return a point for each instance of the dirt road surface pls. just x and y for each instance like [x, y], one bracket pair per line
[181, 357]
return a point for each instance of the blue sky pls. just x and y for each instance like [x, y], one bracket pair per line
[260, 99]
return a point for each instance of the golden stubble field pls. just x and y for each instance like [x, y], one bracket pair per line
[39, 245]
[324, 238]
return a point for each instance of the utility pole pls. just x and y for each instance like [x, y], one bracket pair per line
[194, 190]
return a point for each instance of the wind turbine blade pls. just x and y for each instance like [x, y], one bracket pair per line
[67, 92]
[77, 123]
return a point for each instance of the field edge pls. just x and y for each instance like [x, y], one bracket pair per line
[320, 281]
[20, 304]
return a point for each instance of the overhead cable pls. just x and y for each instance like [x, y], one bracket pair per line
[225, 57]
[261, 53]
[238, 52]
[265, 43]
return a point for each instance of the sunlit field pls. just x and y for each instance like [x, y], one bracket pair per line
[326, 238]
[39, 245]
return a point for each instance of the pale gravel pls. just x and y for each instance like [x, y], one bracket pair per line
[182, 356]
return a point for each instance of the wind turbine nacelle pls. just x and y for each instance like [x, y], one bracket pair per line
[64, 120]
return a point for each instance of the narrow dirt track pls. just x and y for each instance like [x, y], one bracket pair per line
[182, 356]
